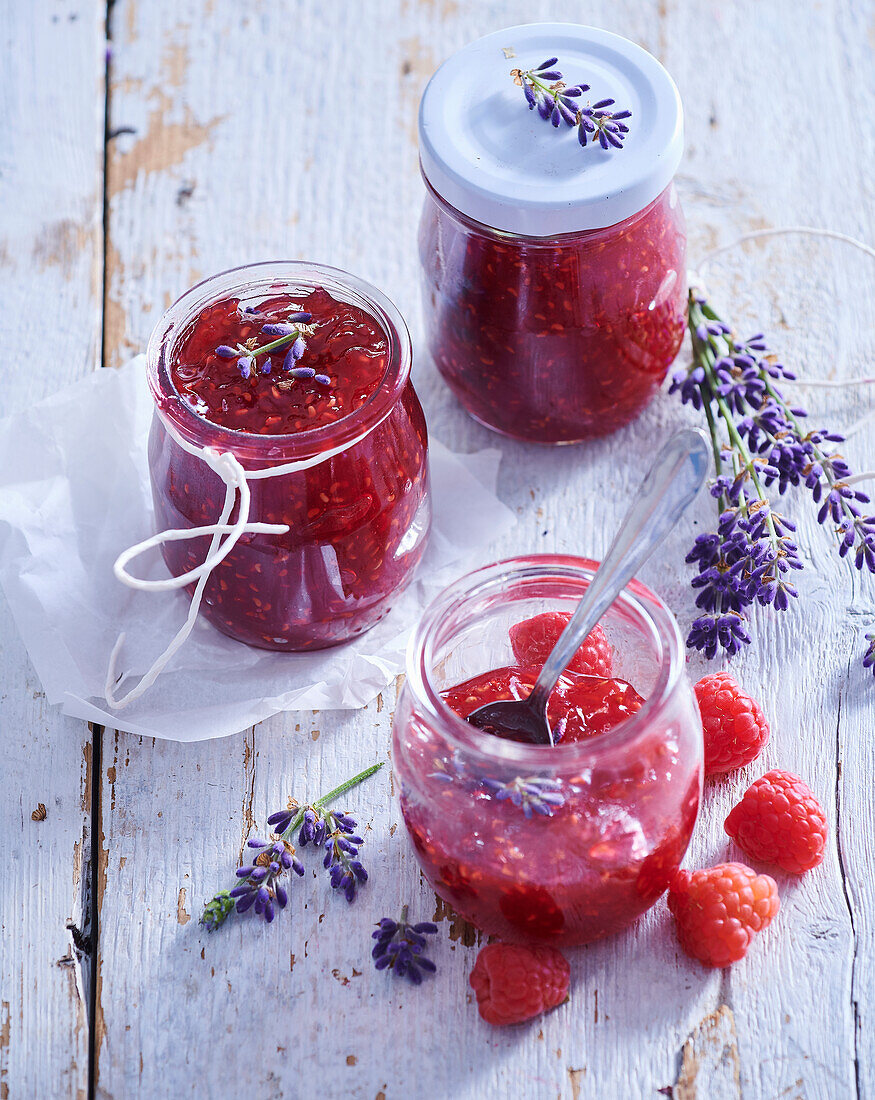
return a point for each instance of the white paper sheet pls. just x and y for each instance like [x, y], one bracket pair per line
[74, 493]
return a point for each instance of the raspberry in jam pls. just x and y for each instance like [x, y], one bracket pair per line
[552, 275]
[531, 843]
[302, 367]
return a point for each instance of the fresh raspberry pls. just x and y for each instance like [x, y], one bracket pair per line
[720, 909]
[735, 727]
[780, 821]
[533, 639]
[514, 983]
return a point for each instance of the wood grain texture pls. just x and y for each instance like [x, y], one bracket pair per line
[227, 151]
[51, 198]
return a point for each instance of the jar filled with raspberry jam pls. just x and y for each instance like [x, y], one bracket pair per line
[304, 367]
[554, 844]
[552, 273]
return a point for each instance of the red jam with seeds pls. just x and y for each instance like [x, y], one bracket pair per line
[567, 845]
[554, 340]
[357, 508]
[347, 346]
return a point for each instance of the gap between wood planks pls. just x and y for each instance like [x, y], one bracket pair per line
[95, 869]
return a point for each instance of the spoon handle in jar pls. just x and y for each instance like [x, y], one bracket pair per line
[674, 480]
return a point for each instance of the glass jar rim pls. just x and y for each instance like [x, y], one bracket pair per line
[278, 275]
[644, 604]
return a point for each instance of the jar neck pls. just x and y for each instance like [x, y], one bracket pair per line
[252, 283]
[595, 236]
[468, 600]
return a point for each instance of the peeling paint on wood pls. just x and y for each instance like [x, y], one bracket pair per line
[710, 1067]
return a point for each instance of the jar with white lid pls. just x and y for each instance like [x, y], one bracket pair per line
[552, 274]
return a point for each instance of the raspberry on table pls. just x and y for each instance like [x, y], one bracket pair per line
[720, 909]
[514, 983]
[735, 728]
[780, 821]
[532, 640]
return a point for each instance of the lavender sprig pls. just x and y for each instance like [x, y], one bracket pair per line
[531, 794]
[869, 655]
[556, 102]
[759, 442]
[534, 794]
[260, 888]
[288, 334]
[399, 947]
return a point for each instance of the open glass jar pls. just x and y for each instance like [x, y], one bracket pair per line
[355, 497]
[623, 804]
[552, 275]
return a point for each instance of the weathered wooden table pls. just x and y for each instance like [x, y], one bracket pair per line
[207, 133]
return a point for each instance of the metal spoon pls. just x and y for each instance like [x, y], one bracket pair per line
[672, 483]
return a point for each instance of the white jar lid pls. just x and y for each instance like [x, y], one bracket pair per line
[485, 153]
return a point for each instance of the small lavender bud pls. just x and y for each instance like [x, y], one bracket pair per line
[278, 330]
[225, 352]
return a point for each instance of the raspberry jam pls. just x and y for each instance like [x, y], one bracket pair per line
[356, 499]
[580, 706]
[531, 843]
[552, 272]
[347, 346]
[557, 340]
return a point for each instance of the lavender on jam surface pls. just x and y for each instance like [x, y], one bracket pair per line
[288, 334]
[759, 442]
[400, 945]
[261, 889]
[546, 92]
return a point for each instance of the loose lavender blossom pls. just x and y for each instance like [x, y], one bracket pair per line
[869, 655]
[288, 334]
[759, 442]
[259, 887]
[399, 947]
[532, 795]
[556, 102]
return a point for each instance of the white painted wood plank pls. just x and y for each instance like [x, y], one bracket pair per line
[297, 1007]
[51, 197]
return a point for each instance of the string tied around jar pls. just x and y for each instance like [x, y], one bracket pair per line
[236, 480]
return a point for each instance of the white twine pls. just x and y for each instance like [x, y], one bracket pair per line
[236, 480]
[806, 231]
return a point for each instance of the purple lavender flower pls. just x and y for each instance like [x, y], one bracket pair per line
[225, 352]
[245, 364]
[260, 889]
[278, 330]
[341, 854]
[556, 102]
[534, 794]
[600, 124]
[869, 655]
[400, 947]
[322, 379]
[749, 558]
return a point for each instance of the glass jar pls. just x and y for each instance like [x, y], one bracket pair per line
[356, 504]
[608, 845]
[552, 275]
